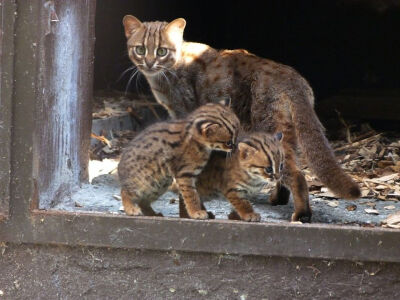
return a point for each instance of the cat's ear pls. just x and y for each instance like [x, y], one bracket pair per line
[279, 136]
[175, 29]
[226, 101]
[131, 24]
[246, 151]
[208, 128]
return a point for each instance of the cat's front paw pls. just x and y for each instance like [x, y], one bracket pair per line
[302, 216]
[199, 215]
[251, 217]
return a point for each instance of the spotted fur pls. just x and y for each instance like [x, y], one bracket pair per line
[267, 96]
[256, 164]
[176, 149]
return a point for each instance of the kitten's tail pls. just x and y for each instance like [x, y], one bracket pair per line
[317, 150]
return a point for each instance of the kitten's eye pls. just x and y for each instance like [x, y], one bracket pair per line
[140, 50]
[268, 170]
[229, 144]
[162, 51]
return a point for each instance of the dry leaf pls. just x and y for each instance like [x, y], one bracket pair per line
[390, 207]
[365, 192]
[324, 189]
[371, 211]
[333, 203]
[393, 220]
[351, 207]
[387, 178]
[380, 187]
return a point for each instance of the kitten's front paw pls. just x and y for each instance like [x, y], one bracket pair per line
[133, 211]
[251, 217]
[199, 215]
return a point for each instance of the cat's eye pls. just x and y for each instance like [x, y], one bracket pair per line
[162, 51]
[140, 50]
[268, 170]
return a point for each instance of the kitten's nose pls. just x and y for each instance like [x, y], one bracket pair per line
[150, 63]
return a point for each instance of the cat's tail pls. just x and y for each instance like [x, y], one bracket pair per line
[315, 146]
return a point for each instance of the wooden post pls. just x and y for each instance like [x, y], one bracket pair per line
[63, 106]
[7, 19]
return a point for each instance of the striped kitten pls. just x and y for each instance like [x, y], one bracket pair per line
[257, 163]
[176, 149]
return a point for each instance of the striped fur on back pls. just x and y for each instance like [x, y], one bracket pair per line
[176, 149]
[258, 162]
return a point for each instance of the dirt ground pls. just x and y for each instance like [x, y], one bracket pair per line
[60, 272]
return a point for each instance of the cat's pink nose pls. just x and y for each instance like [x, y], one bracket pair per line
[150, 64]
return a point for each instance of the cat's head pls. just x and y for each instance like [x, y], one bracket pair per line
[260, 155]
[154, 46]
[215, 126]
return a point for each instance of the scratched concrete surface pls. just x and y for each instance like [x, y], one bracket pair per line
[102, 195]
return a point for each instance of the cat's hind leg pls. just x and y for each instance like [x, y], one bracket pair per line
[273, 115]
[294, 178]
[147, 210]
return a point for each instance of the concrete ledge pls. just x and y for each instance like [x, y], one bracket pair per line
[212, 236]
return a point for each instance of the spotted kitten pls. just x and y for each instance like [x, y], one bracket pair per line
[256, 164]
[176, 149]
[267, 96]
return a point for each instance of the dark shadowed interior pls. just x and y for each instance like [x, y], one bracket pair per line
[335, 45]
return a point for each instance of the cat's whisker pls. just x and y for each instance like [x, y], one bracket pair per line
[131, 68]
[165, 76]
[138, 82]
[130, 80]
[168, 70]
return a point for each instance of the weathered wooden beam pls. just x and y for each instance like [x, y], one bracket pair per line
[7, 20]
[65, 85]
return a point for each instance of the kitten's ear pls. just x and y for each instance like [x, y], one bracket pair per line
[131, 24]
[246, 151]
[175, 29]
[208, 128]
[226, 101]
[279, 136]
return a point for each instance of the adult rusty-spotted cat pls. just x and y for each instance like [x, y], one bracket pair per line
[256, 164]
[176, 149]
[267, 96]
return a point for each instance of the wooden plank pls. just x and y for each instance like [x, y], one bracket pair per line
[63, 107]
[7, 19]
